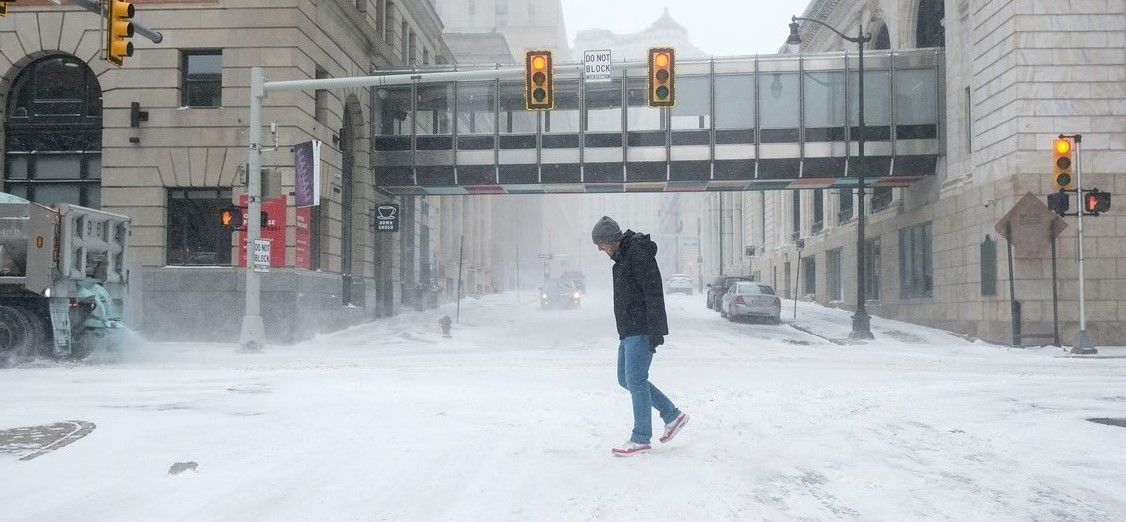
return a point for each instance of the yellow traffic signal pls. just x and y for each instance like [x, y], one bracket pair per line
[1062, 164]
[4, 7]
[662, 77]
[118, 32]
[538, 92]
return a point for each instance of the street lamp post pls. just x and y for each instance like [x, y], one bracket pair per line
[861, 321]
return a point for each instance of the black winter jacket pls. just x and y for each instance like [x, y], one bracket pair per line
[639, 299]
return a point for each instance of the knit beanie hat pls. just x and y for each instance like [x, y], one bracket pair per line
[606, 231]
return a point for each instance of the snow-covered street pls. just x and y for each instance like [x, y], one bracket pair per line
[514, 418]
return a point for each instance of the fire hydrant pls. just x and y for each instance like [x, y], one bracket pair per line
[445, 323]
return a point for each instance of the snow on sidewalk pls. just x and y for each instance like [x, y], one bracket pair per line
[514, 418]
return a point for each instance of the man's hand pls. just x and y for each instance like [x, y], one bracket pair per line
[655, 341]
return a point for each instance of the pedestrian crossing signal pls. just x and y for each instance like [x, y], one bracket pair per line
[662, 77]
[538, 92]
[1096, 202]
[230, 218]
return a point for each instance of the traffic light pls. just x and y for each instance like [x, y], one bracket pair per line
[118, 32]
[538, 92]
[1059, 202]
[230, 218]
[4, 7]
[662, 77]
[1095, 202]
[1063, 163]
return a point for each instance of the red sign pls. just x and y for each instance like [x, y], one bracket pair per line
[304, 218]
[273, 229]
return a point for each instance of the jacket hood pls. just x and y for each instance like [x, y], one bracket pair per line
[631, 240]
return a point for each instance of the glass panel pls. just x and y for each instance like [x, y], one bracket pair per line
[203, 66]
[433, 112]
[693, 103]
[58, 167]
[52, 193]
[194, 235]
[94, 167]
[93, 196]
[476, 105]
[17, 189]
[735, 93]
[515, 118]
[877, 98]
[779, 93]
[565, 118]
[203, 94]
[17, 167]
[60, 79]
[604, 106]
[915, 101]
[824, 99]
[641, 117]
[394, 111]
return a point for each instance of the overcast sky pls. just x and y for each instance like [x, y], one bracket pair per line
[718, 27]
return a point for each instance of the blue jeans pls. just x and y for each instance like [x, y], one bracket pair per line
[634, 358]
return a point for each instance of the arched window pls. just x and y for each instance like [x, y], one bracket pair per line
[929, 28]
[882, 40]
[54, 133]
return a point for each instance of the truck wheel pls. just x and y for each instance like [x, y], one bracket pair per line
[21, 335]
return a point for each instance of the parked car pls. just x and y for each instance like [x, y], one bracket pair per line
[719, 287]
[751, 300]
[557, 293]
[679, 283]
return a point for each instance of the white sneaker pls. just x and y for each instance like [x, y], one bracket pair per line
[630, 448]
[672, 428]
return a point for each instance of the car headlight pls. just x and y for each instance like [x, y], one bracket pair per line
[47, 293]
[576, 295]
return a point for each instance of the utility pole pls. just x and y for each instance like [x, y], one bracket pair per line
[1083, 345]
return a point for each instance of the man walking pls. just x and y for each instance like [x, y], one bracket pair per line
[639, 310]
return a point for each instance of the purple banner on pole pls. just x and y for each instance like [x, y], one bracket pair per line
[305, 178]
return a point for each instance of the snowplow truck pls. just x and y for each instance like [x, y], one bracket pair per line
[62, 280]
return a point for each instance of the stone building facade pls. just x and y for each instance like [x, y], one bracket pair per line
[1017, 74]
[68, 136]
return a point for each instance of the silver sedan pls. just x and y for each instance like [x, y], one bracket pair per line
[751, 300]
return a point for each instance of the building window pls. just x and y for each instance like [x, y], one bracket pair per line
[845, 203]
[501, 13]
[389, 23]
[988, 267]
[881, 198]
[915, 261]
[404, 44]
[818, 210]
[320, 99]
[872, 270]
[412, 48]
[201, 78]
[833, 276]
[195, 236]
[53, 133]
[809, 275]
[795, 215]
[969, 122]
[930, 30]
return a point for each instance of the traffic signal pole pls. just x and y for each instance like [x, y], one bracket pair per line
[1083, 344]
[253, 332]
